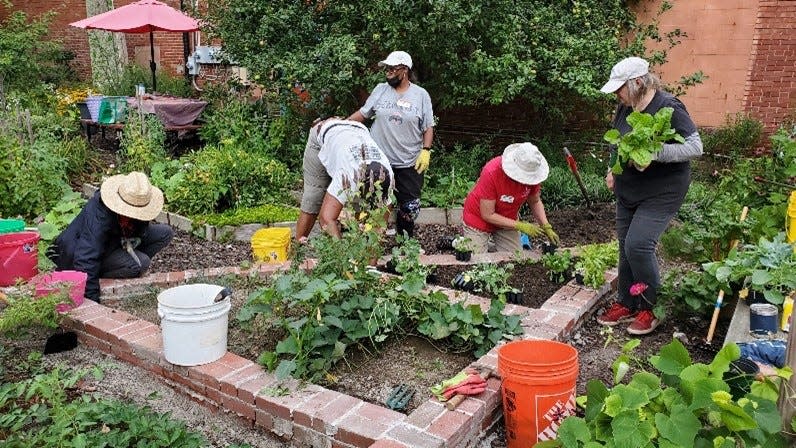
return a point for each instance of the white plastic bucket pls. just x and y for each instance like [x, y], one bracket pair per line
[194, 326]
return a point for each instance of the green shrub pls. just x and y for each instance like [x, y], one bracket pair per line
[263, 214]
[219, 178]
[740, 134]
[142, 143]
[561, 190]
[134, 74]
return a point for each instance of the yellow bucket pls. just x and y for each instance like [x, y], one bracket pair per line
[271, 244]
[790, 219]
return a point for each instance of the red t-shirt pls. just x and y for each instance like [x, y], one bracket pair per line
[495, 185]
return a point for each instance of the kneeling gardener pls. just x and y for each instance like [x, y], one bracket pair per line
[341, 163]
[113, 236]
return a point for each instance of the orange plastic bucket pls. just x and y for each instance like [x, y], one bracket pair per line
[539, 380]
[18, 257]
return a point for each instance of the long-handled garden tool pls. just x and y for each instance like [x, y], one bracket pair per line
[573, 166]
[720, 298]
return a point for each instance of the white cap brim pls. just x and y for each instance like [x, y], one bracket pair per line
[612, 86]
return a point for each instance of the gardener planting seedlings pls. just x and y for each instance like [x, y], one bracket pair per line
[492, 208]
[113, 236]
[649, 176]
[341, 163]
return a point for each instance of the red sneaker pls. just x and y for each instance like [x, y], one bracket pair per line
[645, 323]
[617, 314]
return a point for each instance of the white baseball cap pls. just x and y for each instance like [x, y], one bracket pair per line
[624, 70]
[397, 58]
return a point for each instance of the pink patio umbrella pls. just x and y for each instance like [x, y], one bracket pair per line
[143, 16]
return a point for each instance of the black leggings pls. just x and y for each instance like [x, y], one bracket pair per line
[408, 185]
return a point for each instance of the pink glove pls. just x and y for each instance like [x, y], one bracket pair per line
[472, 385]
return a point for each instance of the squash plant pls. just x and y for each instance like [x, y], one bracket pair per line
[681, 405]
[647, 137]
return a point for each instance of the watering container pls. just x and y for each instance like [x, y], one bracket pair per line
[93, 104]
[11, 225]
[271, 244]
[113, 109]
[763, 319]
[193, 320]
[18, 256]
[52, 282]
[538, 389]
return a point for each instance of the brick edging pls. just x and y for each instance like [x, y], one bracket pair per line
[311, 414]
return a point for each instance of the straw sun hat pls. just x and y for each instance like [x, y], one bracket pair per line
[524, 163]
[132, 195]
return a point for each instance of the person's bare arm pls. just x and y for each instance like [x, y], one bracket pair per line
[534, 201]
[356, 116]
[428, 137]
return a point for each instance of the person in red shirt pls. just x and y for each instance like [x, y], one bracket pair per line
[492, 207]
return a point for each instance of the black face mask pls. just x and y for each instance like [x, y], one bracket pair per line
[394, 81]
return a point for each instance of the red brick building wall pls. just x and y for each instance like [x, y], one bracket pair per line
[770, 91]
[168, 46]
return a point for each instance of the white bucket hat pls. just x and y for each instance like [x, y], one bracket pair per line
[397, 58]
[524, 163]
[625, 70]
[132, 195]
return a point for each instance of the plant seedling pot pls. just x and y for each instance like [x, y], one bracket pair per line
[464, 256]
[579, 278]
[462, 282]
[548, 248]
[740, 376]
[514, 297]
[445, 243]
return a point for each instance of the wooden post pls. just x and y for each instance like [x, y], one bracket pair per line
[787, 391]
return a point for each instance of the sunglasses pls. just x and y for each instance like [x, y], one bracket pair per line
[392, 69]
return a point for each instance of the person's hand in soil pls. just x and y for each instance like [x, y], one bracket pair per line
[551, 234]
[529, 228]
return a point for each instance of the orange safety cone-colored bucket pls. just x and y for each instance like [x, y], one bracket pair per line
[538, 387]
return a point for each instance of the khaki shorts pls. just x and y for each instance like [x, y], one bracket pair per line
[505, 240]
[316, 179]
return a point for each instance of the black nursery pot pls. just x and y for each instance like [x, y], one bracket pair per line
[390, 267]
[579, 278]
[740, 376]
[445, 243]
[514, 297]
[755, 297]
[464, 256]
[460, 283]
[548, 248]
[84, 112]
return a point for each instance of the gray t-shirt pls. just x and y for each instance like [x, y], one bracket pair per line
[400, 120]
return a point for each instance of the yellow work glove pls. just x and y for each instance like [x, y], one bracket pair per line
[421, 164]
[551, 234]
[528, 228]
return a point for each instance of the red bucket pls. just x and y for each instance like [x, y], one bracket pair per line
[18, 257]
[54, 281]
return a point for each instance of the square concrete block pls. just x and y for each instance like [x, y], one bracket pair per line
[180, 222]
[455, 216]
[431, 215]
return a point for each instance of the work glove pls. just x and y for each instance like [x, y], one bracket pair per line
[528, 228]
[551, 234]
[421, 164]
[467, 382]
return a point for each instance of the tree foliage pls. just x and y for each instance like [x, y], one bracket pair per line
[466, 53]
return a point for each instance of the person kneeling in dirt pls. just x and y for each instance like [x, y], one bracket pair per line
[113, 237]
[340, 157]
[492, 207]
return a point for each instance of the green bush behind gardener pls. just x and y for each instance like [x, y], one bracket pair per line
[491, 209]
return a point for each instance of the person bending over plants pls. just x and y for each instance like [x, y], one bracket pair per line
[649, 177]
[113, 236]
[341, 163]
[492, 208]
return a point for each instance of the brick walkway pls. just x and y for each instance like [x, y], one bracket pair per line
[312, 415]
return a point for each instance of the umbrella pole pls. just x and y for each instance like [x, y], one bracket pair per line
[152, 65]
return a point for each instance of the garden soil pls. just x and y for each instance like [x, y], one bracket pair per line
[409, 360]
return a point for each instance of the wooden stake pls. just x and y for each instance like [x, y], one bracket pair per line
[720, 298]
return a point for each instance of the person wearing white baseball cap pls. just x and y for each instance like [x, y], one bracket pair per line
[647, 197]
[403, 127]
[491, 209]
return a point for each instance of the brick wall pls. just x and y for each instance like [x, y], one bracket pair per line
[169, 48]
[770, 93]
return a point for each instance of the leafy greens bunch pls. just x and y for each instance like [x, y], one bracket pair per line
[646, 139]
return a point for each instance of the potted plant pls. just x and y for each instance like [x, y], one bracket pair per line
[767, 268]
[594, 260]
[463, 247]
[558, 265]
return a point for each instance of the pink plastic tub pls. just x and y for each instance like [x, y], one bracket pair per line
[18, 257]
[52, 282]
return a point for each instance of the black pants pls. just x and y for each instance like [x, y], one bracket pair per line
[118, 263]
[408, 185]
[639, 227]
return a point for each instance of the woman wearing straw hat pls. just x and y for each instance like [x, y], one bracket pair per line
[492, 207]
[113, 237]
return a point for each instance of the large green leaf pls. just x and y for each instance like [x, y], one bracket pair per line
[680, 426]
[573, 431]
[631, 432]
[673, 358]
[595, 393]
